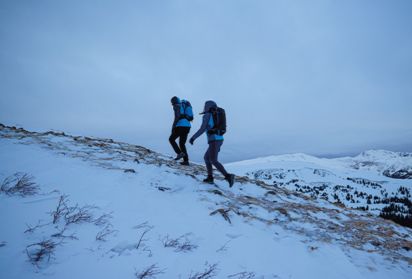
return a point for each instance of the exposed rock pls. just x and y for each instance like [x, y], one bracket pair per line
[399, 174]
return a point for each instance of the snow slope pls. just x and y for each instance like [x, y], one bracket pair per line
[143, 210]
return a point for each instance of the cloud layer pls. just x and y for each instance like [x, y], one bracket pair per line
[308, 76]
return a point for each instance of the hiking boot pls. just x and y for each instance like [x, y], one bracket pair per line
[231, 179]
[185, 163]
[208, 180]
[180, 156]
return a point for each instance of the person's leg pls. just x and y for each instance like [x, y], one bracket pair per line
[208, 163]
[214, 160]
[214, 149]
[172, 140]
[183, 133]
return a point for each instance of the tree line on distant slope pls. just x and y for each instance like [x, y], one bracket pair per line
[400, 209]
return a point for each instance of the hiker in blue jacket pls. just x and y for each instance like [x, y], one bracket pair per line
[215, 139]
[183, 114]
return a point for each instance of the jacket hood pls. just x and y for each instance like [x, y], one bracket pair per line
[175, 100]
[208, 106]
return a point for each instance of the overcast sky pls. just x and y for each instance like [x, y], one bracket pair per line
[319, 77]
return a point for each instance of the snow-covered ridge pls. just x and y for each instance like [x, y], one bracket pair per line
[160, 215]
[388, 163]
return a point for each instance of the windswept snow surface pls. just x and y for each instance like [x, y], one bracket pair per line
[157, 213]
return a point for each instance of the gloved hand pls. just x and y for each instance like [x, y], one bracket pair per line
[192, 140]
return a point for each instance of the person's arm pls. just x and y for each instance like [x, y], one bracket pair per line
[176, 109]
[202, 129]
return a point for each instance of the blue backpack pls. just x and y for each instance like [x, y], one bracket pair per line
[186, 111]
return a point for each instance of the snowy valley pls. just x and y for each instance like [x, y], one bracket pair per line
[85, 207]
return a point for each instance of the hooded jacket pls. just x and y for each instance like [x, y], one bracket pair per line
[208, 123]
[178, 109]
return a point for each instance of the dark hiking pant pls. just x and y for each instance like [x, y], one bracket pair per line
[211, 158]
[181, 133]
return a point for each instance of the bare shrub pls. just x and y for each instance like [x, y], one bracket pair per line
[242, 275]
[61, 210]
[142, 240]
[63, 216]
[78, 215]
[31, 229]
[103, 219]
[146, 228]
[209, 272]
[144, 225]
[61, 235]
[223, 212]
[38, 252]
[181, 244]
[20, 184]
[149, 272]
[103, 234]
[168, 242]
[224, 247]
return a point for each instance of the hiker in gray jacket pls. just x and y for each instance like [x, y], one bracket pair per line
[214, 123]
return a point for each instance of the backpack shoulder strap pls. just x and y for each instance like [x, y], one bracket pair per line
[183, 106]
